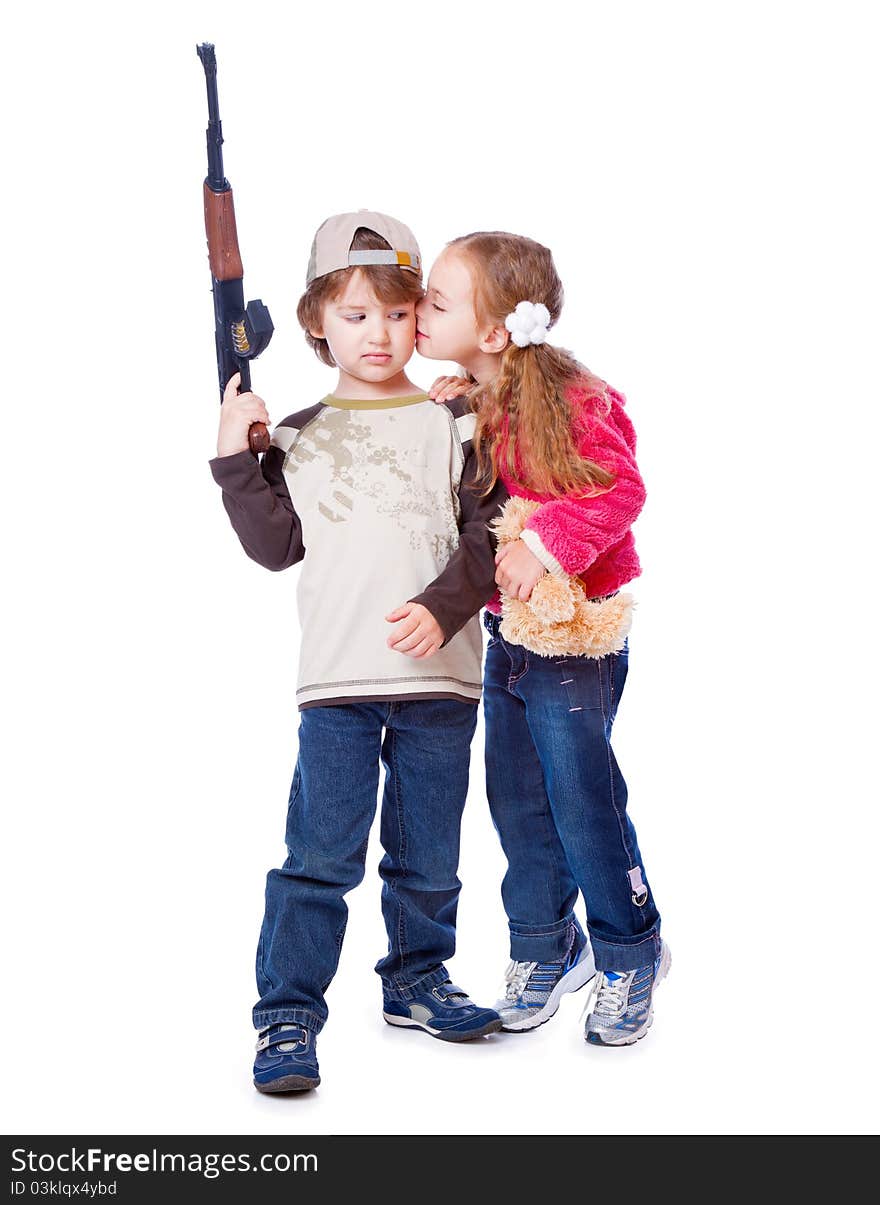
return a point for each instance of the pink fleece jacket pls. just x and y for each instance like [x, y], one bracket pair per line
[591, 537]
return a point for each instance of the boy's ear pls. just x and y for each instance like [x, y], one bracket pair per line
[495, 339]
[316, 332]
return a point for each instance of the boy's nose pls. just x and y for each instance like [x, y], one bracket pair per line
[379, 333]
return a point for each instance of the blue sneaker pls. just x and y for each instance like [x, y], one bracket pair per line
[623, 1010]
[533, 990]
[286, 1060]
[444, 1012]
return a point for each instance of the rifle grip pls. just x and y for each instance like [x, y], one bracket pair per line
[258, 438]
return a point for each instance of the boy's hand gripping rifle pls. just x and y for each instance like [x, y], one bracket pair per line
[240, 332]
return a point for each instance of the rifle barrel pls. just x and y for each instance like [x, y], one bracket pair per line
[216, 180]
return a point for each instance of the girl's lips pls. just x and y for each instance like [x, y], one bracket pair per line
[421, 335]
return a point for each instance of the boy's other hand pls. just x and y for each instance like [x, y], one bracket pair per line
[238, 412]
[517, 570]
[418, 633]
[445, 389]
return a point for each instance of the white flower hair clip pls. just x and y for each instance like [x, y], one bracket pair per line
[528, 323]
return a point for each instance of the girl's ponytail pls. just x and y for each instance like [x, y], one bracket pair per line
[524, 423]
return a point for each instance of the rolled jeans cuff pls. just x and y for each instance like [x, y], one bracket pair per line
[626, 954]
[397, 991]
[544, 943]
[288, 1016]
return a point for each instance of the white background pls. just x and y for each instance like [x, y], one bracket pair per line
[705, 176]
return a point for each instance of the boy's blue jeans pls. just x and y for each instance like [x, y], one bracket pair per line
[558, 801]
[426, 755]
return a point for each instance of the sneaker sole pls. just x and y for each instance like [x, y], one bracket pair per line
[595, 1039]
[288, 1083]
[445, 1035]
[573, 981]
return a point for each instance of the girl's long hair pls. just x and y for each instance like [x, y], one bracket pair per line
[525, 422]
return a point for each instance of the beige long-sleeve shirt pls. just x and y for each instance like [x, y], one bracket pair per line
[376, 498]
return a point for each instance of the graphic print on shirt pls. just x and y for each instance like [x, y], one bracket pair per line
[365, 469]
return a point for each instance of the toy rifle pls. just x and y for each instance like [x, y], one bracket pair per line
[240, 332]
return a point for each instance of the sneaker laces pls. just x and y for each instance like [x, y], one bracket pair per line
[612, 993]
[609, 994]
[516, 977]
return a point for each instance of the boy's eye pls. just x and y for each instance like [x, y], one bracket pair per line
[399, 314]
[355, 317]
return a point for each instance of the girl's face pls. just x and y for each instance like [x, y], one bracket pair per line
[446, 323]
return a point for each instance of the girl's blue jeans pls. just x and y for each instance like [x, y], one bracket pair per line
[558, 801]
[426, 754]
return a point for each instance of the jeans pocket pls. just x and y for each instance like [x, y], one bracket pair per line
[583, 679]
[619, 664]
[294, 787]
[289, 838]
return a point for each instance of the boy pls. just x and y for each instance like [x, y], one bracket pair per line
[372, 486]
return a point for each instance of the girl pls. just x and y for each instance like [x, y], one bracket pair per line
[558, 435]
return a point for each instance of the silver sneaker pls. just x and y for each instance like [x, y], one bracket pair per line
[622, 1002]
[533, 990]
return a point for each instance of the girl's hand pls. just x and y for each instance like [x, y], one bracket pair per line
[418, 633]
[445, 389]
[517, 570]
[237, 413]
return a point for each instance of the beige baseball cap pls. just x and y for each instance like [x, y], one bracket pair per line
[331, 249]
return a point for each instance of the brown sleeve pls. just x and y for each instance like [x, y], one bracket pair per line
[468, 580]
[258, 503]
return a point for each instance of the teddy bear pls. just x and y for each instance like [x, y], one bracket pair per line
[558, 618]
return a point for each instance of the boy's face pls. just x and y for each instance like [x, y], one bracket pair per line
[447, 325]
[369, 340]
